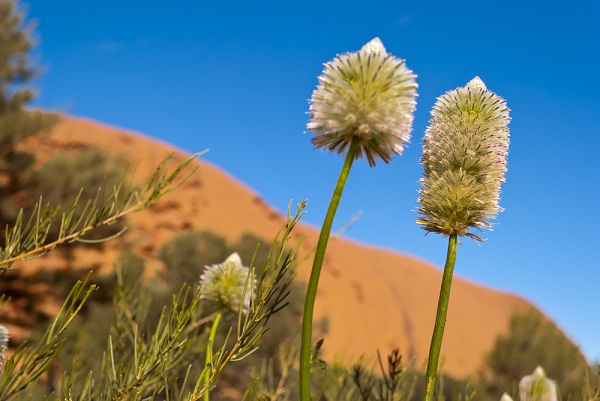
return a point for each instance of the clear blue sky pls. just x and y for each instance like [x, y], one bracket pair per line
[235, 77]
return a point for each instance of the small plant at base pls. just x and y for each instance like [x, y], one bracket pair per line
[535, 387]
[230, 286]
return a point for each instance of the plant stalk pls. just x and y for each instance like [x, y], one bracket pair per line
[311, 293]
[209, 350]
[440, 319]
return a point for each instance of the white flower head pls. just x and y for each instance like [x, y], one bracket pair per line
[464, 159]
[4, 336]
[506, 397]
[369, 94]
[227, 284]
[537, 387]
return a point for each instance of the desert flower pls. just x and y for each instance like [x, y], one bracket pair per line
[537, 387]
[368, 95]
[4, 336]
[226, 284]
[464, 158]
[229, 286]
[363, 105]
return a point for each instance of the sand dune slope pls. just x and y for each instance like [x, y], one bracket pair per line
[370, 298]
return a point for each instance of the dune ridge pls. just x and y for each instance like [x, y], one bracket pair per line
[369, 298]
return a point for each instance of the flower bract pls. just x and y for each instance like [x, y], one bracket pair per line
[369, 94]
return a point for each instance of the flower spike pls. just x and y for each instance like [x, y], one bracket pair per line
[464, 158]
[370, 95]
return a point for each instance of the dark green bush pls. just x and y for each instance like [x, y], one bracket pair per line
[534, 341]
[90, 173]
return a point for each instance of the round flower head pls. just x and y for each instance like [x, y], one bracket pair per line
[537, 387]
[464, 158]
[368, 94]
[227, 284]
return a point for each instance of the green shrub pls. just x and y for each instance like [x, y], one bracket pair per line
[533, 341]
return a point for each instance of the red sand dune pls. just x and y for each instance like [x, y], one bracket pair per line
[372, 298]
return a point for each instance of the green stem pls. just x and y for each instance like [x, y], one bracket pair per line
[209, 350]
[440, 319]
[311, 293]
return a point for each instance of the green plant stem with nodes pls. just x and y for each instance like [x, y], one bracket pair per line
[311, 293]
[209, 349]
[440, 319]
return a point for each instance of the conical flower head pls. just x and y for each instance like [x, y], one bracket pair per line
[537, 387]
[464, 159]
[369, 94]
[227, 284]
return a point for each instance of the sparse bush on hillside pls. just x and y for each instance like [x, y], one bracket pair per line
[16, 123]
[89, 174]
[533, 341]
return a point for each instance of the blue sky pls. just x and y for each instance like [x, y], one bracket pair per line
[236, 77]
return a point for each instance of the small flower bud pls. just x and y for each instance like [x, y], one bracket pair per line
[368, 94]
[464, 160]
[537, 387]
[227, 283]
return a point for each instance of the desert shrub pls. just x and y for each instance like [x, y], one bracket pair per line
[533, 341]
[89, 174]
[185, 257]
[17, 71]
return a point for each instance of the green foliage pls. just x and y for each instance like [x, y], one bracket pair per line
[277, 379]
[28, 363]
[534, 341]
[16, 123]
[185, 257]
[125, 355]
[28, 237]
[86, 173]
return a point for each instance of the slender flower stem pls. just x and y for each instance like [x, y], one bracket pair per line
[440, 319]
[209, 349]
[311, 293]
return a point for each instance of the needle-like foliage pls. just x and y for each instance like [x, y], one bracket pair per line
[27, 238]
